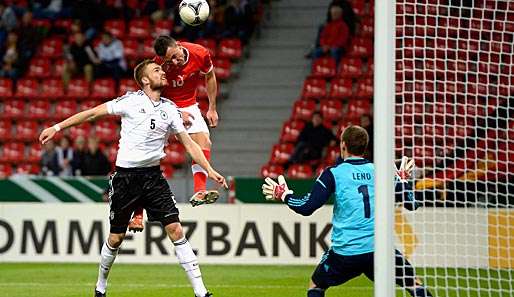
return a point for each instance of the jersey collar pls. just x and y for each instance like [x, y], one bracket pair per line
[356, 161]
[186, 53]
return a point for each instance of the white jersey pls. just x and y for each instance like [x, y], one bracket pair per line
[145, 128]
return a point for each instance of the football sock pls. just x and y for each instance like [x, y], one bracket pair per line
[189, 262]
[108, 254]
[315, 292]
[199, 174]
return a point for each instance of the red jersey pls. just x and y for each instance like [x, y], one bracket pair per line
[184, 80]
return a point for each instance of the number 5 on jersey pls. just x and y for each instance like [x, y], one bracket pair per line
[152, 124]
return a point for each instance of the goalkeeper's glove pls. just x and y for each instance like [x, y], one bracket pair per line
[275, 191]
[405, 171]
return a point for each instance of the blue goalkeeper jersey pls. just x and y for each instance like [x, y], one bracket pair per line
[353, 183]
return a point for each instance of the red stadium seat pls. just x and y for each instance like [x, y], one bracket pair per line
[5, 170]
[350, 68]
[147, 50]
[359, 8]
[340, 88]
[324, 67]
[361, 47]
[14, 109]
[366, 27]
[272, 170]
[88, 104]
[27, 88]
[131, 49]
[116, 27]
[6, 87]
[331, 110]
[357, 108]
[52, 89]
[175, 154]
[5, 130]
[230, 48]
[299, 171]
[27, 131]
[303, 109]
[34, 153]
[139, 28]
[112, 152]
[104, 88]
[364, 88]
[222, 68]
[127, 84]
[281, 153]
[314, 88]
[163, 27]
[209, 44]
[291, 130]
[63, 24]
[39, 110]
[13, 152]
[42, 23]
[51, 48]
[64, 109]
[167, 171]
[333, 152]
[39, 68]
[58, 68]
[78, 89]
[106, 131]
[27, 168]
[80, 130]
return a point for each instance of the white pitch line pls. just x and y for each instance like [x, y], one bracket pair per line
[134, 285]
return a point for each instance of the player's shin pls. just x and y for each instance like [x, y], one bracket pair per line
[199, 174]
[315, 292]
[108, 255]
[189, 262]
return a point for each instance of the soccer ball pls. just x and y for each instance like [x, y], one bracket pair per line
[193, 12]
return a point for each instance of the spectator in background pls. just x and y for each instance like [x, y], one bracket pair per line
[312, 141]
[95, 161]
[367, 123]
[111, 59]
[334, 35]
[29, 36]
[49, 163]
[10, 57]
[79, 154]
[238, 20]
[65, 157]
[8, 20]
[79, 59]
[53, 9]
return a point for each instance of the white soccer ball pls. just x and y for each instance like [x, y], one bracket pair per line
[193, 12]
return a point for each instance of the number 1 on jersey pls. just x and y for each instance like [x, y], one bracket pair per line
[365, 198]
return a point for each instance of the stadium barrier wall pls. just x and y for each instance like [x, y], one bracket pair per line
[249, 234]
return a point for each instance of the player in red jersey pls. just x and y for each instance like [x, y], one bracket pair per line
[187, 65]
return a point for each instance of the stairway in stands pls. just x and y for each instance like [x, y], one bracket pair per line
[270, 82]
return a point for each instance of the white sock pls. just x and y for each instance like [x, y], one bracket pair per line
[108, 255]
[189, 262]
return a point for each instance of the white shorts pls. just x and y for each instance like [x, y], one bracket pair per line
[198, 124]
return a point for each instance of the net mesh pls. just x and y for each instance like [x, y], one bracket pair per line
[454, 116]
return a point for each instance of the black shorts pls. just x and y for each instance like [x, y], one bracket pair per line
[132, 188]
[335, 269]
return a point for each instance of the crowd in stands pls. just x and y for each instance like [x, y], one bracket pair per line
[338, 92]
[58, 57]
[82, 159]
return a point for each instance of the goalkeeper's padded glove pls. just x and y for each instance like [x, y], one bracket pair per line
[275, 191]
[405, 171]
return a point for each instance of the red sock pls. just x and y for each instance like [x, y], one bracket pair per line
[199, 174]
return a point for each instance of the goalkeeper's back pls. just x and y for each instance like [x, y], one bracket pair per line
[353, 218]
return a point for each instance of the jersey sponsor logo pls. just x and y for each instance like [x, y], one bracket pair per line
[142, 110]
[164, 115]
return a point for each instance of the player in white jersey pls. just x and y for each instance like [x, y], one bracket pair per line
[146, 122]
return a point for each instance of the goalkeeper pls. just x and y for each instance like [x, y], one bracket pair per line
[353, 184]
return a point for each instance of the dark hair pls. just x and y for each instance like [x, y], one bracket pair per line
[162, 43]
[139, 71]
[356, 139]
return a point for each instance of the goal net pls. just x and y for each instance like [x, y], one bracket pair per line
[454, 116]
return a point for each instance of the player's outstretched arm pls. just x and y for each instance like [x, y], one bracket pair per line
[212, 91]
[76, 119]
[306, 205]
[197, 155]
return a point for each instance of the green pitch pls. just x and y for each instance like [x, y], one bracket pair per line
[74, 280]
